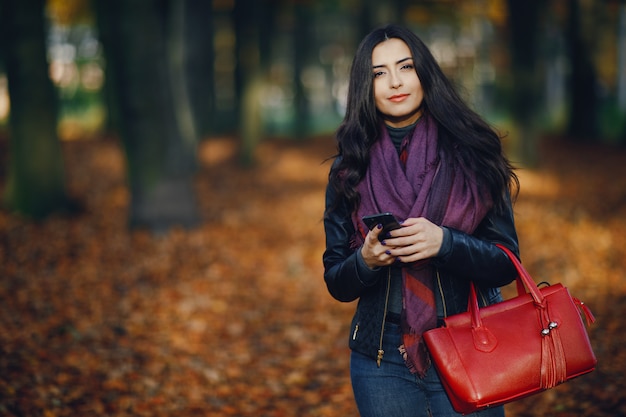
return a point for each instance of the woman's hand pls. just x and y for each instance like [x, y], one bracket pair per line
[417, 239]
[374, 253]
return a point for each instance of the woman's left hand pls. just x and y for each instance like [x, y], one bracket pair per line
[417, 239]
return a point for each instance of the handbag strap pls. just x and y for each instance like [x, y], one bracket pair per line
[524, 280]
[523, 277]
[553, 362]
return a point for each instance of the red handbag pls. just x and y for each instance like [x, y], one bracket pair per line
[510, 350]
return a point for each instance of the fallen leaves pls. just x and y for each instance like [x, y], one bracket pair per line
[233, 318]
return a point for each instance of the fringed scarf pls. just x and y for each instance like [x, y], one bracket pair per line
[428, 184]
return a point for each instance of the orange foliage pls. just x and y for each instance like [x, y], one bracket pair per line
[233, 318]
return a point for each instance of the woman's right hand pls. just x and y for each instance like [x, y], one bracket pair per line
[374, 253]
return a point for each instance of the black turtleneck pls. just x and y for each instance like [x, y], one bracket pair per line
[397, 134]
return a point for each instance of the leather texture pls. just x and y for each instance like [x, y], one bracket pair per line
[500, 353]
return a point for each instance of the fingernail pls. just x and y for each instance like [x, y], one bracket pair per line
[383, 243]
[379, 226]
[388, 252]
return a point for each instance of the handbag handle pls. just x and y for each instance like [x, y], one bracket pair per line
[484, 340]
[523, 277]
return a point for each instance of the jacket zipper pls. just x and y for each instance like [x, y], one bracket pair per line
[381, 352]
[443, 298]
[482, 297]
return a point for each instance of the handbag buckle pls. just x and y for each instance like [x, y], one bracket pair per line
[553, 325]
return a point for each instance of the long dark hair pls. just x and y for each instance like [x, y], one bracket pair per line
[462, 132]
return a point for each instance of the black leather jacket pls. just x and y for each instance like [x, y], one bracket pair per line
[462, 258]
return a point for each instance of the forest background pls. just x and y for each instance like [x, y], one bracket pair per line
[163, 164]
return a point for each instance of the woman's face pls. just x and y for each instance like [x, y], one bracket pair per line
[397, 88]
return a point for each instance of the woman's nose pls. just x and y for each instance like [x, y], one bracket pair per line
[396, 80]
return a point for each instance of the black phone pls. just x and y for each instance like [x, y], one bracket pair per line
[387, 220]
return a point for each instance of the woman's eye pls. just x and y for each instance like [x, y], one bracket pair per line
[378, 74]
[408, 67]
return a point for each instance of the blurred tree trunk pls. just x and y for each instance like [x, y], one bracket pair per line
[365, 21]
[524, 26]
[140, 40]
[199, 58]
[582, 81]
[177, 14]
[621, 67]
[621, 58]
[35, 184]
[301, 48]
[253, 31]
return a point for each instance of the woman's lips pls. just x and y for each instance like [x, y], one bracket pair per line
[398, 98]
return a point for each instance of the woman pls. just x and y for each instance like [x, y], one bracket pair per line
[409, 145]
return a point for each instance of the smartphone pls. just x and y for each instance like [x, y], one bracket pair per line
[388, 221]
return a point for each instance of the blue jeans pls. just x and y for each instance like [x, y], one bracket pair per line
[392, 391]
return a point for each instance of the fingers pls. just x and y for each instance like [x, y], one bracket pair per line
[374, 252]
[375, 232]
[418, 239]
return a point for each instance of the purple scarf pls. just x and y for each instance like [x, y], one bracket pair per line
[433, 186]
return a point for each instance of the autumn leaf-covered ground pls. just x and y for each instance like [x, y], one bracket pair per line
[233, 318]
